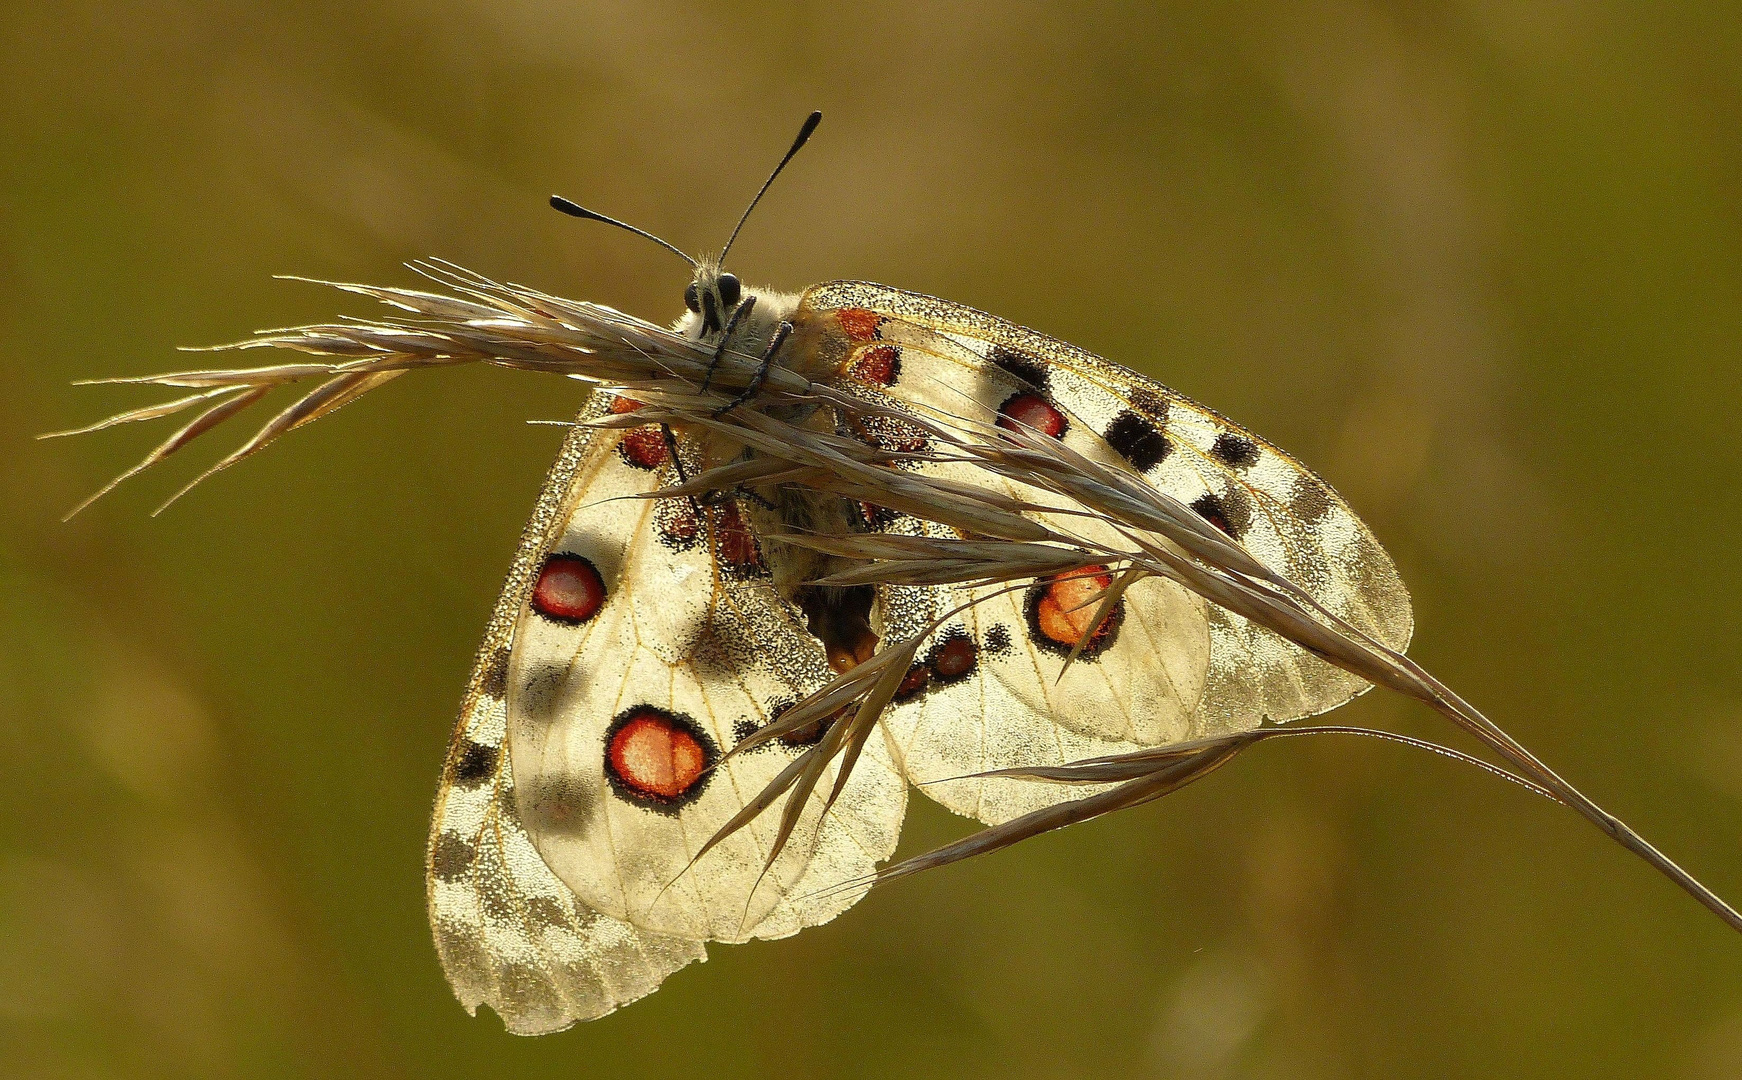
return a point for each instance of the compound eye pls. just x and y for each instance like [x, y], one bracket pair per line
[692, 299]
[730, 290]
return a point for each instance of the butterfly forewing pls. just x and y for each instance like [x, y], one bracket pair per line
[511, 935]
[951, 360]
[651, 641]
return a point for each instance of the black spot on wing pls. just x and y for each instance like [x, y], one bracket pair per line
[1234, 451]
[1309, 499]
[460, 945]
[1029, 369]
[452, 857]
[497, 899]
[542, 911]
[540, 691]
[560, 805]
[1228, 511]
[1137, 440]
[494, 684]
[892, 435]
[476, 764]
[998, 640]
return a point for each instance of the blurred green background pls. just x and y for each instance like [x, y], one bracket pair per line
[1479, 263]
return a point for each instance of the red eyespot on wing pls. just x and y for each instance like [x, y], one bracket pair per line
[621, 405]
[678, 526]
[734, 540]
[858, 324]
[951, 660]
[878, 365]
[913, 682]
[1060, 610]
[569, 589]
[954, 658]
[644, 447]
[657, 758]
[874, 517]
[1031, 411]
[1227, 512]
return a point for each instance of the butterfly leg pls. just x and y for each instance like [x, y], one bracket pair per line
[721, 496]
[726, 339]
[761, 375]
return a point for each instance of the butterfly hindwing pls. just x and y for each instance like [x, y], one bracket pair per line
[983, 697]
[651, 640]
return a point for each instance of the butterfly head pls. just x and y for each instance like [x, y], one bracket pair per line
[719, 306]
[712, 297]
[716, 299]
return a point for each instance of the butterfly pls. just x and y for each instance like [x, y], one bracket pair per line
[638, 639]
[598, 818]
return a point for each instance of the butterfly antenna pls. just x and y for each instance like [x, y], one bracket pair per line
[804, 134]
[573, 209]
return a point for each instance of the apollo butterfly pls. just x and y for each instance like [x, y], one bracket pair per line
[599, 815]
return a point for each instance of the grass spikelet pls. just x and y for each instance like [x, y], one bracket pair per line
[1001, 505]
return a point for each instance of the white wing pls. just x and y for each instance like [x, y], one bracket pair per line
[510, 934]
[946, 358]
[660, 642]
